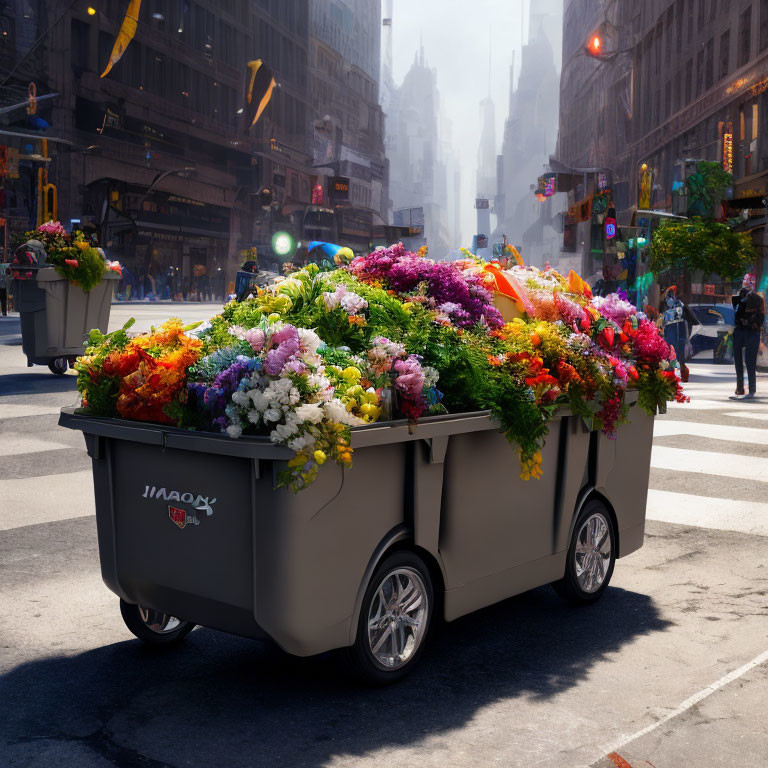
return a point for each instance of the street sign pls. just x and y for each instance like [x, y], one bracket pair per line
[709, 290]
[482, 204]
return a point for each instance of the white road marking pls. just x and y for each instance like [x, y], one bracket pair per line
[699, 404]
[707, 512]
[707, 463]
[34, 500]
[690, 702]
[20, 410]
[13, 444]
[667, 427]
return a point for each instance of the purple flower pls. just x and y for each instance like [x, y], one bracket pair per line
[283, 346]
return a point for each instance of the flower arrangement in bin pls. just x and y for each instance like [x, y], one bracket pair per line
[324, 351]
[71, 255]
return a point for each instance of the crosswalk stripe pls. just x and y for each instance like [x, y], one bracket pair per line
[707, 512]
[710, 463]
[21, 410]
[35, 500]
[666, 427]
[14, 444]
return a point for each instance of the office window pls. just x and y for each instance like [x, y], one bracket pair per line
[763, 24]
[725, 54]
[709, 68]
[679, 21]
[699, 72]
[78, 47]
[689, 81]
[745, 37]
[691, 11]
[703, 12]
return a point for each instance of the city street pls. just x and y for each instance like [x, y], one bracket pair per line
[669, 669]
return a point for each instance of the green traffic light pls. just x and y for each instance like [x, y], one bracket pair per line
[282, 243]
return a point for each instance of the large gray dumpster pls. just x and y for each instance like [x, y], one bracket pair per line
[56, 316]
[190, 525]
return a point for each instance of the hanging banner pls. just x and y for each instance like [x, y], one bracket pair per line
[124, 37]
[259, 87]
[646, 185]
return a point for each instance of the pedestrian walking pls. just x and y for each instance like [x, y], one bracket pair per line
[675, 328]
[750, 316]
[4, 288]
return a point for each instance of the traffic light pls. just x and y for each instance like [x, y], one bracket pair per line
[265, 197]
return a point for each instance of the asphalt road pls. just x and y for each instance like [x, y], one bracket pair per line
[668, 670]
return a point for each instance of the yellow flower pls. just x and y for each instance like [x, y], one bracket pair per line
[352, 375]
[320, 457]
[81, 245]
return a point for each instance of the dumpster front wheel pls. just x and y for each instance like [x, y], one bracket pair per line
[58, 366]
[591, 556]
[154, 627]
[395, 617]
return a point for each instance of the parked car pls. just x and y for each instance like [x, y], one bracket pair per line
[714, 321]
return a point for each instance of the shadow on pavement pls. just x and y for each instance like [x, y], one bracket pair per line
[221, 700]
[39, 380]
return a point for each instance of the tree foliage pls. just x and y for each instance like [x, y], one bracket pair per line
[709, 246]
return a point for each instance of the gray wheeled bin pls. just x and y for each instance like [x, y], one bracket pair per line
[431, 518]
[56, 316]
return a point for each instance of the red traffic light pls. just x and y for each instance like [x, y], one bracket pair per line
[595, 47]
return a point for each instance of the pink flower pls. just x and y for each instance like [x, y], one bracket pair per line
[283, 346]
[255, 337]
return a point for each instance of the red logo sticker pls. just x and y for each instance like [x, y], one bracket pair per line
[179, 516]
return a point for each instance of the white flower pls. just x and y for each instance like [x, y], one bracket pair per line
[237, 331]
[311, 412]
[234, 430]
[351, 303]
[254, 416]
[336, 411]
[332, 300]
[310, 341]
[259, 400]
[240, 398]
[272, 414]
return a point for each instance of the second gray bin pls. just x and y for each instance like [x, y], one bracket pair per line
[56, 316]
[243, 557]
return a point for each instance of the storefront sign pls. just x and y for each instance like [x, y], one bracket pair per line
[339, 187]
[709, 290]
[317, 194]
[697, 289]
[185, 200]
[728, 148]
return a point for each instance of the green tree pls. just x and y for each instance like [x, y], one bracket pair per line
[706, 245]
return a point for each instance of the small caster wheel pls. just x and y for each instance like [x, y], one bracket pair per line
[58, 366]
[154, 627]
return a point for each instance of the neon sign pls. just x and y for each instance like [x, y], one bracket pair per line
[728, 149]
[610, 228]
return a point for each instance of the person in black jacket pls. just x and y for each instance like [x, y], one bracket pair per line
[750, 316]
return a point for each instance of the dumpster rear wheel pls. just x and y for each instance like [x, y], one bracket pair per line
[395, 618]
[154, 627]
[58, 366]
[591, 556]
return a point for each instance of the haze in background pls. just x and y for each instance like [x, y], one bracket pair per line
[456, 36]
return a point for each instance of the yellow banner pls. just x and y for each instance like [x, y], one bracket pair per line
[126, 34]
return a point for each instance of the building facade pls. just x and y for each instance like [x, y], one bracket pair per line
[688, 81]
[345, 55]
[418, 174]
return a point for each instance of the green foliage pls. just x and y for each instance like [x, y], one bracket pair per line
[707, 186]
[709, 246]
[653, 389]
[88, 272]
[101, 393]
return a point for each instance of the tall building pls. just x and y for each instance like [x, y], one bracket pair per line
[157, 155]
[417, 174]
[345, 54]
[686, 80]
[530, 136]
